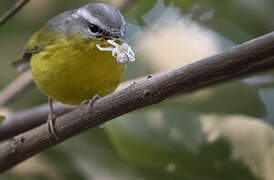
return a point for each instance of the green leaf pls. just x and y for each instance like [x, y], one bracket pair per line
[2, 118]
[231, 25]
[175, 142]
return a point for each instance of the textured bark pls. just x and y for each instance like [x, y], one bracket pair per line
[33, 117]
[246, 59]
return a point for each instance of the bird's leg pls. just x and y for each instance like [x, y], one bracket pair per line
[51, 119]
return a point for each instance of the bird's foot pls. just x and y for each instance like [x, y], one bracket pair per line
[51, 121]
[87, 104]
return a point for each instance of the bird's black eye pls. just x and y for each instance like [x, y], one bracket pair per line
[93, 28]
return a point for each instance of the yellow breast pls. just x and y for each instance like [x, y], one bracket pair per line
[73, 70]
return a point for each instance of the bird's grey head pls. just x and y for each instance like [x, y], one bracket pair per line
[96, 20]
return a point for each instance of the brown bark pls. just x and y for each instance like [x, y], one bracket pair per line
[246, 59]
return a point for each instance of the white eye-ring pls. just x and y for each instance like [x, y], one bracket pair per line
[123, 53]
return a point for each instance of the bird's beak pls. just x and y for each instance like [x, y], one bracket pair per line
[119, 37]
[124, 39]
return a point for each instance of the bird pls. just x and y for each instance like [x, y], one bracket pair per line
[78, 55]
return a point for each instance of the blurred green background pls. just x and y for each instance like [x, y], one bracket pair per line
[218, 133]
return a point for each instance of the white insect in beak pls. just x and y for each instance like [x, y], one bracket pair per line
[123, 53]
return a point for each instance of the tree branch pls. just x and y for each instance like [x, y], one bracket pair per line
[246, 59]
[12, 11]
[15, 87]
[29, 119]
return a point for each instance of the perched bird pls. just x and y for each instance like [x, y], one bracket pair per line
[78, 55]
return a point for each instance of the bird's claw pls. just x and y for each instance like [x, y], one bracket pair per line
[87, 104]
[51, 122]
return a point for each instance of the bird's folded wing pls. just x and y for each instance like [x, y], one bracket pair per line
[38, 42]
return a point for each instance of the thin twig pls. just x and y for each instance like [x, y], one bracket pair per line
[12, 11]
[15, 87]
[23, 80]
[246, 59]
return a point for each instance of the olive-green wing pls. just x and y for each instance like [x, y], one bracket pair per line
[23, 62]
[37, 43]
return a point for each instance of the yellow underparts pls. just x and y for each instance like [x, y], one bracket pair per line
[73, 70]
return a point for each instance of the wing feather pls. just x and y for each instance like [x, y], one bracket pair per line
[37, 43]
